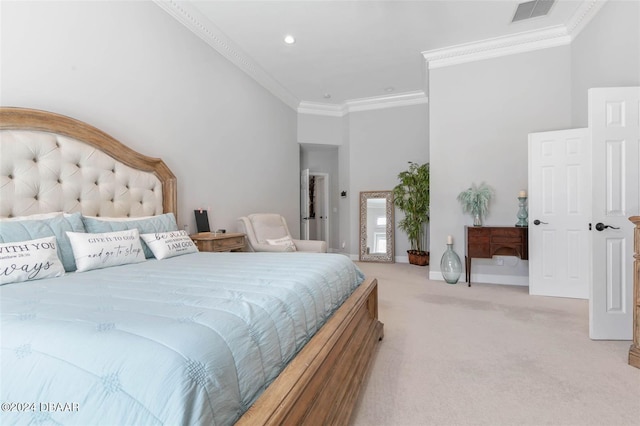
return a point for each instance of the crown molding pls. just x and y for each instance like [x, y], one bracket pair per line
[496, 47]
[200, 25]
[363, 104]
[586, 11]
[319, 108]
[390, 101]
[517, 43]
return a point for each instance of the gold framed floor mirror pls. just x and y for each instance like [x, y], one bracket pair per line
[377, 227]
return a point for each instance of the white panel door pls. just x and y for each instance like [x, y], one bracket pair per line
[559, 213]
[614, 120]
[304, 204]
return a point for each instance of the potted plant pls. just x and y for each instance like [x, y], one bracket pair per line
[411, 196]
[475, 200]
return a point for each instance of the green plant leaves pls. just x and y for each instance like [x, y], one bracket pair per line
[411, 196]
[475, 200]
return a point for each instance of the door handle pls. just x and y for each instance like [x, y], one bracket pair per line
[601, 226]
[538, 222]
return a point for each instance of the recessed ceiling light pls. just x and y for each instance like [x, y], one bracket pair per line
[327, 96]
[289, 39]
[389, 89]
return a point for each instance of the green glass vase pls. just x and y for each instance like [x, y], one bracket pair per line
[450, 265]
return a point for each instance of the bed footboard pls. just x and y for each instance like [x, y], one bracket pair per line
[322, 383]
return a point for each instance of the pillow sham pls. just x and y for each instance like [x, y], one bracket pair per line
[57, 226]
[29, 260]
[169, 244]
[145, 225]
[284, 241]
[102, 250]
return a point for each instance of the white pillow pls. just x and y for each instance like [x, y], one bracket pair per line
[29, 260]
[169, 244]
[95, 251]
[284, 241]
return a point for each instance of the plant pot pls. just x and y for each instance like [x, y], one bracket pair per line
[420, 258]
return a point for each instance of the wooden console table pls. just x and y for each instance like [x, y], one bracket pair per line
[483, 242]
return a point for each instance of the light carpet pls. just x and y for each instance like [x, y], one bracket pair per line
[490, 355]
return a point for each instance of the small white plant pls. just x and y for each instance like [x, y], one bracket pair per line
[475, 200]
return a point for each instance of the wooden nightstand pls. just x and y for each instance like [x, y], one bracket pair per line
[208, 241]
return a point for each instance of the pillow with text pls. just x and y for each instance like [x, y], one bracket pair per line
[29, 260]
[145, 225]
[56, 226]
[284, 241]
[95, 251]
[169, 244]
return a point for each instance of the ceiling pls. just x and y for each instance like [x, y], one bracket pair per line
[351, 51]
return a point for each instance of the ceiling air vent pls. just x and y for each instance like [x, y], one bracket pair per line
[532, 9]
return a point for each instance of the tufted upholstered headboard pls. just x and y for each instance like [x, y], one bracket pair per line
[51, 163]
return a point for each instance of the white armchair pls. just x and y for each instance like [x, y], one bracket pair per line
[261, 227]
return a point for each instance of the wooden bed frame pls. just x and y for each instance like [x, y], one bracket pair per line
[321, 384]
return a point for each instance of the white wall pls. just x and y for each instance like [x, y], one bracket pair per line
[480, 116]
[481, 113]
[321, 129]
[381, 143]
[606, 53]
[344, 205]
[133, 71]
[373, 147]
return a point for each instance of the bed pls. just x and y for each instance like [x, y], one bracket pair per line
[150, 341]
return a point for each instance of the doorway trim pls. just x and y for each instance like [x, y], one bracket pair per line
[327, 206]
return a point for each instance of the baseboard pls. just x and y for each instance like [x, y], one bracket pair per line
[487, 279]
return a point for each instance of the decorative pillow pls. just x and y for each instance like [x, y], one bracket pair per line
[145, 225]
[95, 251]
[29, 260]
[169, 244]
[57, 226]
[284, 241]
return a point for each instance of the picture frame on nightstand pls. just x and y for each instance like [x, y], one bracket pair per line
[202, 220]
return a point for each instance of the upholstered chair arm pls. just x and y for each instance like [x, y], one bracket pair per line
[269, 247]
[275, 227]
[311, 246]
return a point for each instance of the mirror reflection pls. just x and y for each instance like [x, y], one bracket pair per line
[376, 226]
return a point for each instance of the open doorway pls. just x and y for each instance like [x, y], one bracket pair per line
[319, 196]
[318, 206]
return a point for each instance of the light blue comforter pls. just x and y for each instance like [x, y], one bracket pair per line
[193, 339]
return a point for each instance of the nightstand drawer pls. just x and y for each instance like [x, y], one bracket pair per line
[231, 243]
[208, 241]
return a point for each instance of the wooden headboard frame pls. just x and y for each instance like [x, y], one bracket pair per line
[12, 118]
